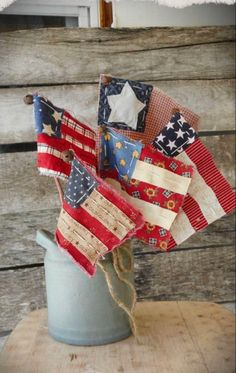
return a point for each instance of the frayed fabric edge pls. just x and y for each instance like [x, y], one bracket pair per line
[51, 173]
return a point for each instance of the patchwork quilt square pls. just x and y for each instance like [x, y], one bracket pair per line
[123, 104]
[159, 107]
[59, 137]
[154, 184]
[118, 152]
[94, 218]
[176, 136]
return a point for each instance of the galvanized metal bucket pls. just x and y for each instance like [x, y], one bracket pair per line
[81, 310]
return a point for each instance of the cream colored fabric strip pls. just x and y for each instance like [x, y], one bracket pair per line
[77, 143]
[153, 214]
[41, 148]
[77, 128]
[80, 237]
[203, 194]
[181, 229]
[161, 177]
[108, 214]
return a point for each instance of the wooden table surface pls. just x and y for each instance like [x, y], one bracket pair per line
[186, 337]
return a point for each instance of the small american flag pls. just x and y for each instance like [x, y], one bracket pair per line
[152, 182]
[94, 219]
[155, 110]
[59, 137]
[176, 136]
[209, 198]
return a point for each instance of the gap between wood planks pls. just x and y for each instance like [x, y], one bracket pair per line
[136, 254]
[32, 146]
[176, 46]
[85, 82]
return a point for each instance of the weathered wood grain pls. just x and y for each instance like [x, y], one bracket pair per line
[65, 56]
[213, 100]
[199, 274]
[183, 337]
[17, 236]
[22, 189]
[223, 150]
[91, 38]
[18, 247]
[21, 292]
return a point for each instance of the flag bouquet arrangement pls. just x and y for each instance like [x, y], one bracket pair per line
[142, 173]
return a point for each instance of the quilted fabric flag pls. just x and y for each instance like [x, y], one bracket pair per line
[152, 182]
[94, 219]
[176, 136]
[137, 110]
[209, 196]
[59, 137]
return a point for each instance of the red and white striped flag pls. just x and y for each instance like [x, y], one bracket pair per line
[150, 181]
[94, 219]
[209, 198]
[59, 136]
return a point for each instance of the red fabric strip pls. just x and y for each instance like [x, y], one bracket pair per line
[92, 224]
[85, 156]
[77, 256]
[163, 161]
[194, 214]
[54, 142]
[79, 137]
[199, 154]
[171, 244]
[50, 162]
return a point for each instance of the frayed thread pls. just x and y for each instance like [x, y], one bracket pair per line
[51, 173]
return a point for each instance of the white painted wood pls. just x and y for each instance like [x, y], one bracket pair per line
[129, 13]
[86, 11]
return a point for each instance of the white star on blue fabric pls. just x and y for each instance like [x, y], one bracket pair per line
[125, 107]
[161, 137]
[180, 133]
[169, 125]
[171, 145]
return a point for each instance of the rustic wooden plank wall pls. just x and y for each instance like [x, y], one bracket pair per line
[194, 65]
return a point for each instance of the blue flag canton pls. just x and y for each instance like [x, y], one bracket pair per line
[175, 137]
[47, 117]
[80, 185]
[120, 153]
[142, 92]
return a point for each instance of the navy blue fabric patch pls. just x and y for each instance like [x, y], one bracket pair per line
[47, 117]
[119, 152]
[175, 137]
[114, 87]
[80, 185]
